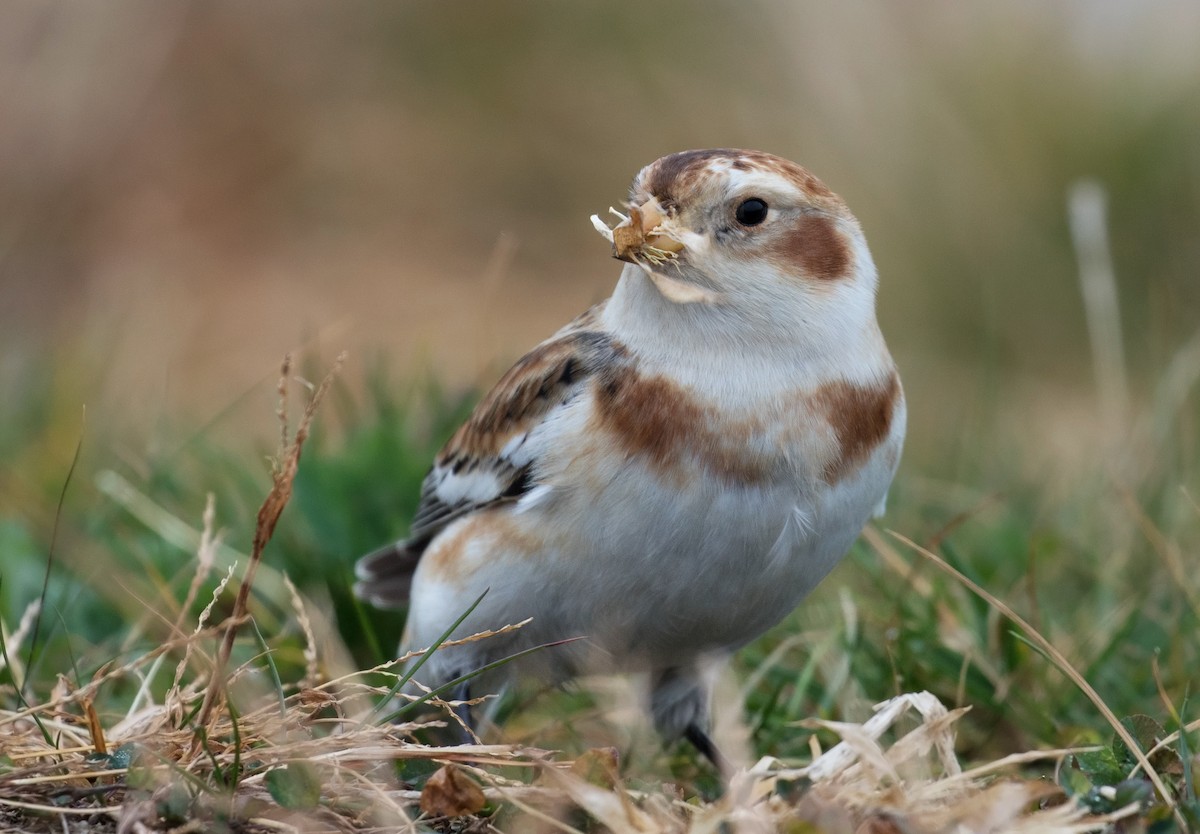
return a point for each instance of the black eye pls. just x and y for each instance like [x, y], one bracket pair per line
[751, 212]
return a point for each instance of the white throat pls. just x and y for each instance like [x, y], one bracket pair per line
[803, 330]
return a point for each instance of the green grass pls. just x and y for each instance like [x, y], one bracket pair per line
[1095, 570]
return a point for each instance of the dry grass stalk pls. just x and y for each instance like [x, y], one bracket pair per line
[311, 669]
[108, 675]
[915, 780]
[283, 475]
[206, 556]
[16, 639]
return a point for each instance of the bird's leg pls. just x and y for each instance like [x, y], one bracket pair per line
[679, 707]
[462, 694]
[703, 742]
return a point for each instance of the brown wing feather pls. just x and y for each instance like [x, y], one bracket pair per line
[482, 464]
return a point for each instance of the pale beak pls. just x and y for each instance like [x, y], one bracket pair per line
[641, 236]
[642, 239]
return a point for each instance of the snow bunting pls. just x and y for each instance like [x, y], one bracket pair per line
[672, 472]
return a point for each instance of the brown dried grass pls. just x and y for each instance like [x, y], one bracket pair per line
[204, 758]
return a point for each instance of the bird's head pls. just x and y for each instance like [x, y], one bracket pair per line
[737, 227]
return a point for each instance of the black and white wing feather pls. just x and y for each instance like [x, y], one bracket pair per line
[488, 462]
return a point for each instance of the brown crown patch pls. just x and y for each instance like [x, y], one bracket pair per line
[861, 417]
[674, 175]
[814, 247]
[668, 177]
[653, 418]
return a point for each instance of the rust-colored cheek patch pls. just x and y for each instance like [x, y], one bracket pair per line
[861, 417]
[652, 418]
[815, 248]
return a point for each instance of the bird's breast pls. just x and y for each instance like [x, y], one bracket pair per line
[738, 436]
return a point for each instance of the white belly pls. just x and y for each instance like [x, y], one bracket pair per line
[652, 573]
[698, 574]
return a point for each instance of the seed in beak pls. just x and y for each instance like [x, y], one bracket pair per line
[640, 235]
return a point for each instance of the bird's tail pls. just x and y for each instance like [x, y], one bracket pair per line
[385, 575]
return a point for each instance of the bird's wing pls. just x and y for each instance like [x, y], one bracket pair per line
[488, 462]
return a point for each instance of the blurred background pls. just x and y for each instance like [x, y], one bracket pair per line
[191, 189]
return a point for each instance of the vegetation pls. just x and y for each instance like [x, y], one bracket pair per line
[1062, 624]
[191, 187]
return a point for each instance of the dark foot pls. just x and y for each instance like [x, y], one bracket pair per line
[701, 741]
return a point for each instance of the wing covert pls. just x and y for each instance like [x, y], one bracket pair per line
[488, 461]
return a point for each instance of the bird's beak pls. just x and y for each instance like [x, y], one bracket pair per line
[645, 238]
[641, 236]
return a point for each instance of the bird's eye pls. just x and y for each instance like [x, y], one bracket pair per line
[751, 212]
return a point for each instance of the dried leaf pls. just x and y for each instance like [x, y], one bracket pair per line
[451, 793]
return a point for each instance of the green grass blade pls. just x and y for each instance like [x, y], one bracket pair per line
[407, 676]
[218, 771]
[461, 679]
[236, 769]
[62, 497]
[268, 653]
[18, 686]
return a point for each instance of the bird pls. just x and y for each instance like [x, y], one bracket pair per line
[670, 474]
